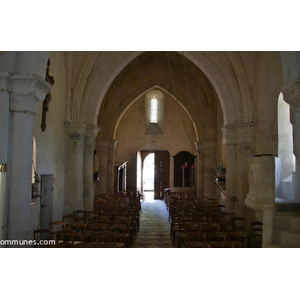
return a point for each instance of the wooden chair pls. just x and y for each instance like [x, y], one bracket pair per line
[69, 218]
[238, 238]
[227, 216]
[256, 233]
[228, 226]
[239, 222]
[196, 239]
[79, 229]
[42, 237]
[122, 235]
[215, 237]
[65, 237]
[58, 225]
[80, 215]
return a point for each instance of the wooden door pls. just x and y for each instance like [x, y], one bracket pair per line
[161, 173]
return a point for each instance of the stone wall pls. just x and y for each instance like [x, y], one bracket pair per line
[50, 144]
[131, 137]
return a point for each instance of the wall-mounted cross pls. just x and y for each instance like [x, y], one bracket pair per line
[48, 98]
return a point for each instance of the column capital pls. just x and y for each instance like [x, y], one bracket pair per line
[75, 131]
[229, 134]
[244, 134]
[28, 90]
[291, 94]
[91, 133]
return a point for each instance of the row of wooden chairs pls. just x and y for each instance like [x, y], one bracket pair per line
[186, 213]
[67, 239]
[118, 222]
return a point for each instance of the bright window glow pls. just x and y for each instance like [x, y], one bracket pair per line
[153, 116]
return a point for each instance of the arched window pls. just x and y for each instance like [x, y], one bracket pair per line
[153, 110]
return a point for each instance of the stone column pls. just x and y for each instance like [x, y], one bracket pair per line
[27, 91]
[268, 214]
[200, 170]
[91, 133]
[4, 121]
[206, 165]
[229, 137]
[261, 196]
[110, 166]
[291, 95]
[105, 149]
[74, 161]
[244, 135]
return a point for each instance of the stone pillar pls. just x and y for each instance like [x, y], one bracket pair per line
[206, 166]
[74, 170]
[4, 121]
[291, 95]
[91, 133]
[229, 137]
[268, 220]
[105, 149]
[261, 195]
[200, 170]
[27, 91]
[110, 166]
[245, 136]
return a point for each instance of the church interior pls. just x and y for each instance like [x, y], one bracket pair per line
[173, 156]
[219, 130]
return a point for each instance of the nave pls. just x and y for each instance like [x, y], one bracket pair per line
[154, 225]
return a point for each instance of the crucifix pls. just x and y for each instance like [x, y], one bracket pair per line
[47, 100]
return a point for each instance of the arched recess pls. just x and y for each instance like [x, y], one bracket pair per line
[98, 77]
[172, 96]
[151, 69]
[216, 66]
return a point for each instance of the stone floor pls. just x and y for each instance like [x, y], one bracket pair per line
[154, 225]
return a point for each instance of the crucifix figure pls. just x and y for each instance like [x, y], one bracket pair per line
[47, 100]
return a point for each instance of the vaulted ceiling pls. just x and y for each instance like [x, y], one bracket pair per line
[172, 72]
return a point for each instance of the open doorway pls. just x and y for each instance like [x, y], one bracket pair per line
[153, 172]
[148, 177]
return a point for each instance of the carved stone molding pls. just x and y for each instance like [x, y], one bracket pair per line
[261, 181]
[229, 134]
[244, 134]
[91, 132]
[27, 84]
[291, 94]
[75, 132]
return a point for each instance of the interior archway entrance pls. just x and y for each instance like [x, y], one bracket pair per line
[148, 177]
[148, 173]
[154, 174]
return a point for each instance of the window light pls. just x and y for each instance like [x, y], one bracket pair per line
[153, 109]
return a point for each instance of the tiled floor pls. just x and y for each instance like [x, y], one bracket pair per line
[154, 225]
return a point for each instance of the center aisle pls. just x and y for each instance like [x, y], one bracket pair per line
[154, 225]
